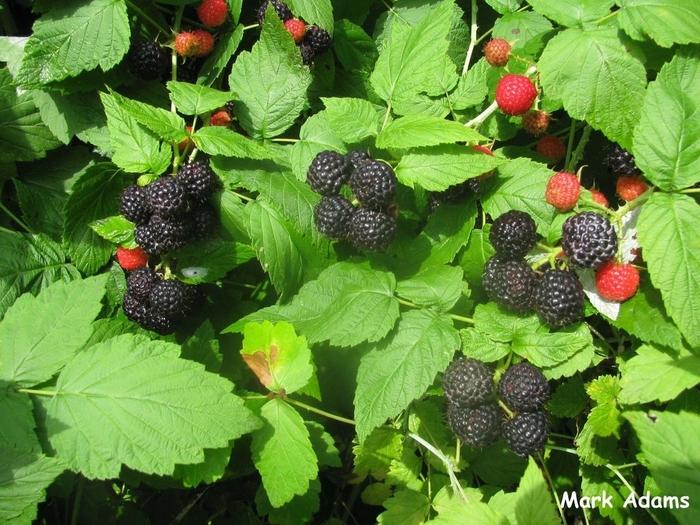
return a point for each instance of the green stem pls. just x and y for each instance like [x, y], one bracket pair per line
[690, 190]
[636, 203]
[551, 485]
[461, 318]
[563, 436]
[251, 26]
[456, 486]
[47, 393]
[320, 412]
[386, 117]
[293, 141]
[481, 117]
[563, 449]
[472, 40]
[606, 17]
[624, 481]
[419, 307]
[6, 230]
[15, 218]
[146, 17]
[570, 146]
[242, 197]
[611, 350]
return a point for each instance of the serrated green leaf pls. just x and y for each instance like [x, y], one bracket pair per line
[405, 507]
[218, 61]
[415, 131]
[270, 82]
[597, 450]
[166, 124]
[300, 509]
[569, 400]
[502, 325]
[571, 13]
[115, 229]
[374, 455]
[324, 447]
[69, 39]
[472, 86]
[669, 155]
[210, 260]
[604, 389]
[605, 420]
[474, 512]
[523, 30]
[354, 48]
[111, 409]
[594, 482]
[352, 119]
[544, 350]
[667, 22]
[400, 369]
[193, 99]
[316, 135]
[478, 345]
[439, 287]
[474, 256]
[282, 453]
[655, 374]
[590, 72]
[218, 140]
[504, 6]
[95, 195]
[577, 362]
[17, 408]
[41, 334]
[203, 347]
[136, 149]
[497, 465]
[279, 358]
[534, 500]
[212, 469]
[70, 115]
[667, 231]
[439, 167]
[319, 12]
[669, 447]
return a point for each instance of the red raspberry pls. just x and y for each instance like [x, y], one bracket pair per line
[297, 28]
[617, 282]
[600, 198]
[131, 259]
[551, 147]
[483, 149]
[497, 51]
[206, 42]
[515, 94]
[220, 118]
[185, 143]
[536, 121]
[186, 44]
[212, 13]
[563, 190]
[629, 187]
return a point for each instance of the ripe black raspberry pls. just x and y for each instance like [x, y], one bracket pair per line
[307, 54]
[135, 310]
[356, 157]
[169, 298]
[527, 433]
[523, 388]
[513, 234]
[559, 297]
[328, 172]
[318, 38]
[161, 235]
[146, 60]
[478, 426]
[467, 382]
[133, 204]
[589, 239]
[204, 220]
[454, 193]
[167, 197]
[281, 9]
[198, 179]
[621, 162]
[374, 184]
[140, 282]
[371, 230]
[159, 323]
[509, 283]
[332, 216]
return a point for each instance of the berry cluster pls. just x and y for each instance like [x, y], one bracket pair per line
[369, 226]
[477, 420]
[312, 40]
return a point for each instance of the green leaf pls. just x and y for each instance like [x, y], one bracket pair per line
[655, 374]
[218, 61]
[524, 30]
[41, 334]
[504, 6]
[534, 500]
[572, 12]
[212, 469]
[439, 167]
[543, 349]
[569, 400]
[165, 124]
[203, 347]
[316, 135]
[70, 39]
[193, 99]
[95, 195]
[319, 12]
[597, 450]
[111, 408]
[667, 22]
[354, 48]
[479, 346]
[136, 149]
[279, 358]
[405, 507]
[17, 408]
[667, 231]
[24, 478]
[502, 325]
[324, 447]
[29, 264]
[413, 57]
[590, 72]
[669, 444]
[270, 82]
[210, 260]
[669, 155]
[374, 455]
[282, 453]
[218, 140]
[439, 287]
[115, 229]
[414, 131]
[352, 119]
[474, 513]
[604, 419]
[300, 509]
[70, 115]
[400, 369]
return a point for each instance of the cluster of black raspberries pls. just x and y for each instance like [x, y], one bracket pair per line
[169, 213]
[315, 41]
[476, 418]
[368, 227]
[588, 240]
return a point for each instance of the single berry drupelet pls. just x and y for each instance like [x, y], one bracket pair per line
[559, 297]
[523, 388]
[318, 38]
[328, 172]
[169, 298]
[135, 309]
[510, 283]
[332, 216]
[198, 179]
[477, 427]
[527, 433]
[204, 220]
[374, 184]
[621, 162]
[356, 157]
[140, 282]
[467, 382]
[164, 234]
[146, 60]
[371, 230]
[167, 197]
[133, 204]
[589, 239]
[282, 10]
[513, 234]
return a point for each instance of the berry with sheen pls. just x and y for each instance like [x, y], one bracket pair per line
[146, 60]
[371, 230]
[130, 259]
[478, 426]
[629, 187]
[374, 184]
[513, 234]
[563, 190]
[616, 281]
[297, 28]
[332, 216]
[527, 433]
[198, 179]
[559, 298]
[212, 13]
[468, 382]
[515, 94]
[282, 10]
[205, 42]
[589, 239]
[510, 283]
[133, 204]
[318, 39]
[187, 44]
[328, 172]
[523, 388]
[621, 162]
